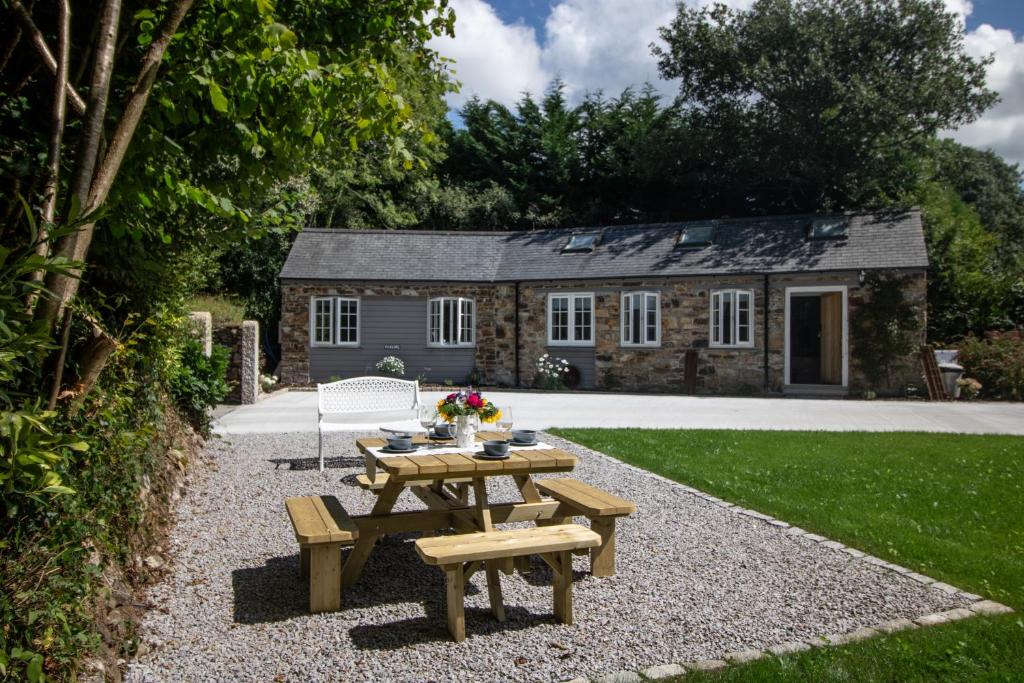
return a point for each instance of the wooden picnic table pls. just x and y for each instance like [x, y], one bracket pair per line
[442, 482]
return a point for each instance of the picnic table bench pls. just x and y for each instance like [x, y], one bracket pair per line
[321, 527]
[601, 508]
[455, 554]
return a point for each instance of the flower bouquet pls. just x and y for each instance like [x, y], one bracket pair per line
[467, 408]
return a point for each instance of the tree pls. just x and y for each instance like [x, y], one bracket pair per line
[195, 116]
[826, 104]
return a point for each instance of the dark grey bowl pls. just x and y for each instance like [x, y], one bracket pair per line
[400, 443]
[444, 429]
[496, 448]
[524, 436]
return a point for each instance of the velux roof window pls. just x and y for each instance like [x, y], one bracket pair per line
[695, 236]
[582, 241]
[828, 228]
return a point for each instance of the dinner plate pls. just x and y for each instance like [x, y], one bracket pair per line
[438, 437]
[484, 456]
[389, 449]
[513, 442]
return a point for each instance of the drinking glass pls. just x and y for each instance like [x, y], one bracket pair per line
[505, 421]
[428, 416]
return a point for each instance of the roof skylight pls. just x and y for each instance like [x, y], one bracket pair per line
[828, 228]
[583, 241]
[695, 236]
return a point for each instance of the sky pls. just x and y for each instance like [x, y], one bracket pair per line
[503, 48]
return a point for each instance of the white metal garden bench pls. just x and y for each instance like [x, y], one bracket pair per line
[361, 404]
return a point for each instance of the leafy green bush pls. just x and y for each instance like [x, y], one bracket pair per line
[998, 363]
[199, 382]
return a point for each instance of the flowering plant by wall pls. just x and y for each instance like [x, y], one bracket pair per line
[467, 402]
[391, 365]
[551, 372]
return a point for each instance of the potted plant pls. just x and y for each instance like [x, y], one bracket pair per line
[467, 409]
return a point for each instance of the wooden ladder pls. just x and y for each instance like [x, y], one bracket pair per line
[932, 376]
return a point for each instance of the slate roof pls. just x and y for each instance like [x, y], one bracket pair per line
[750, 245]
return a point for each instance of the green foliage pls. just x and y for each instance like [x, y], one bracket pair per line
[998, 363]
[200, 381]
[839, 99]
[886, 329]
[946, 505]
[31, 455]
[222, 309]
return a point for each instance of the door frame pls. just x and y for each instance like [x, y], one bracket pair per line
[820, 289]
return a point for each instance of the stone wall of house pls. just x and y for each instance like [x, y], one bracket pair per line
[685, 309]
[495, 322]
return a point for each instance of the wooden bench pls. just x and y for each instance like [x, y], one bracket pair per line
[601, 507]
[553, 543]
[321, 527]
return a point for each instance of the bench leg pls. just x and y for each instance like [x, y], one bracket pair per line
[602, 557]
[304, 561]
[563, 587]
[522, 564]
[494, 590]
[455, 595]
[325, 577]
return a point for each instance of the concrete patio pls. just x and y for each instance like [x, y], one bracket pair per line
[295, 411]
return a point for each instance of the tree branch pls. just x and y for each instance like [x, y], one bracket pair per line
[57, 114]
[136, 104]
[39, 42]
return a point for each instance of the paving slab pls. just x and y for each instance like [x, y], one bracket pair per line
[295, 411]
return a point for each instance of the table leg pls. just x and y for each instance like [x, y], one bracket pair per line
[527, 488]
[368, 537]
[483, 511]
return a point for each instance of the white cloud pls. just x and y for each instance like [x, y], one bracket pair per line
[1002, 127]
[605, 45]
[492, 59]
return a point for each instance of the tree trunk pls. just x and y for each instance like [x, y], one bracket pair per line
[91, 361]
[75, 246]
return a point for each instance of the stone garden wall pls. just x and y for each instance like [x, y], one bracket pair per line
[245, 361]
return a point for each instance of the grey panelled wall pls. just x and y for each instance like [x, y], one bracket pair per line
[582, 358]
[385, 323]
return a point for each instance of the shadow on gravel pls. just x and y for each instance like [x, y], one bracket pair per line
[433, 627]
[273, 592]
[306, 464]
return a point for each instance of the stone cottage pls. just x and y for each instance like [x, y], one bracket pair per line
[744, 306]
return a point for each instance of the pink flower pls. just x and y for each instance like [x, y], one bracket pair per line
[474, 401]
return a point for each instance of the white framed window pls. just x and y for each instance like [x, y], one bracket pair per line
[348, 323]
[732, 318]
[641, 318]
[321, 321]
[333, 321]
[570, 319]
[451, 322]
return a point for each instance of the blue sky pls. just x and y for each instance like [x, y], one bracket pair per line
[503, 48]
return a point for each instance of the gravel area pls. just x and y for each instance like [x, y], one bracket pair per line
[695, 581]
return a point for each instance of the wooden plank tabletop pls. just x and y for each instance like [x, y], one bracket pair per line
[427, 466]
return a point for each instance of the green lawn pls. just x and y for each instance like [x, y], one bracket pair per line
[949, 506]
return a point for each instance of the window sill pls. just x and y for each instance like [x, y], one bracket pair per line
[335, 346]
[564, 344]
[731, 347]
[451, 346]
[640, 347]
